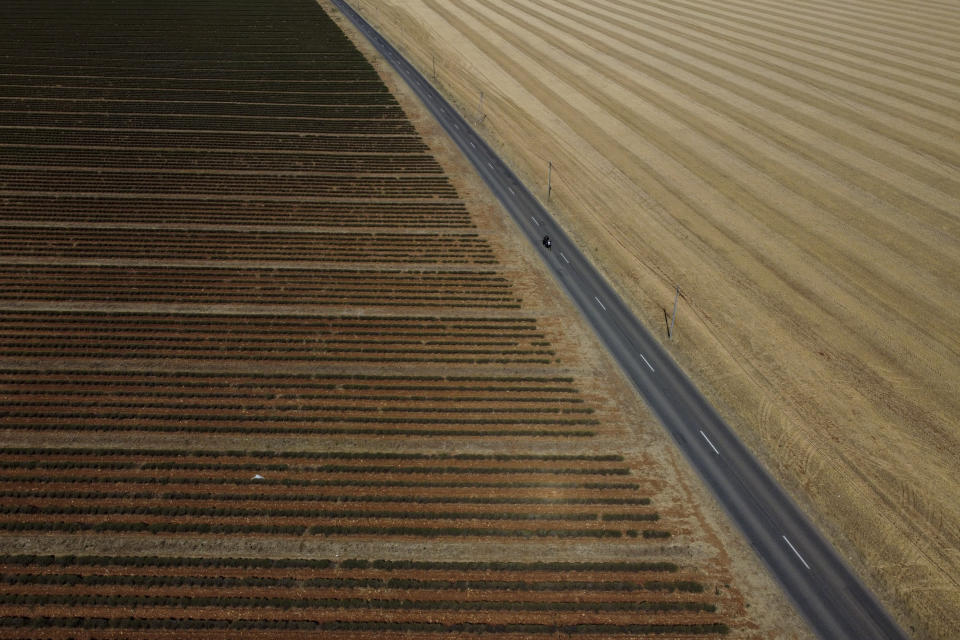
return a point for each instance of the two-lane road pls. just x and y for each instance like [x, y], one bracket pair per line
[826, 592]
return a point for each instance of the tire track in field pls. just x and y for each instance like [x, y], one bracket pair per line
[806, 58]
[746, 198]
[910, 16]
[694, 228]
[804, 329]
[776, 131]
[847, 19]
[855, 21]
[685, 209]
[938, 111]
[555, 99]
[559, 95]
[789, 28]
[923, 168]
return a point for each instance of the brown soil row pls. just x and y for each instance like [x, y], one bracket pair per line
[360, 142]
[213, 183]
[219, 160]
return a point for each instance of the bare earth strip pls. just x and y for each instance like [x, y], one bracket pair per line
[273, 362]
[793, 168]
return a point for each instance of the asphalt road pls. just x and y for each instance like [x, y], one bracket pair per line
[831, 598]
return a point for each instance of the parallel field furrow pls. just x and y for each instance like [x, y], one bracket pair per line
[239, 211]
[130, 158]
[207, 245]
[223, 183]
[212, 139]
[243, 304]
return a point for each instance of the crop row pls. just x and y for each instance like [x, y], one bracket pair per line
[236, 602]
[216, 384]
[201, 528]
[366, 464]
[220, 140]
[205, 108]
[328, 342]
[183, 321]
[63, 90]
[164, 83]
[303, 416]
[174, 63]
[336, 482]
[376, 288]
[210, 71]
[310, 63]
[286, 240]
[90, 291]
[220, 160]
[439, 213]
[267, 353]
[325, 431]
[365, 469]
[297, 279]
[186, 53]
[469, 628]
[234, 183]
[345, 332]
[338, 498]
[36, 394]
[208, 123]
[406, 584]
[102, 452]
[563, 568]
[147, 508]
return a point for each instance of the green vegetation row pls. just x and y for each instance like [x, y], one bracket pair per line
[299, 353]
[69, 412]
[234, 602]
[222, 582]
[324, 431]
[321, 455]
[294, 482]
[325, 468]
[300, 407]
[233, 512]
[184, 295]
[246, 397]
[714, 628]
[263, 320]
[322, 563]
[301, 497]
[75, 376]
[389, 469]
[228, 512]
[299, 530]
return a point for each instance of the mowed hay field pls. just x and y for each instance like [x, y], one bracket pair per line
[793, 168]
[273, 365]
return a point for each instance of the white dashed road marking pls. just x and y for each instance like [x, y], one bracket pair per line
[794, 549]
[646, 362]
[708, 442]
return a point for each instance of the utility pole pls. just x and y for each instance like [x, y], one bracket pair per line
[549, 179]
[676, 298]
[433, 56]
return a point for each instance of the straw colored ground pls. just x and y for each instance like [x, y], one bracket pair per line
[795, 169]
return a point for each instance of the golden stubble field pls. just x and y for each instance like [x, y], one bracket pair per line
[793, 168]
